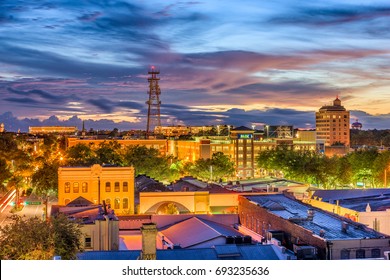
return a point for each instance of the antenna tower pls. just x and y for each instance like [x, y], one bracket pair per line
[153, 102]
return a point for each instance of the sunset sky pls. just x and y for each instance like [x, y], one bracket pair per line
[222, 62]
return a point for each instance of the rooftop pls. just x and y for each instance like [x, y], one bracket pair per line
[357, 199]
[297, 212]
[219, 252]
[195, 231]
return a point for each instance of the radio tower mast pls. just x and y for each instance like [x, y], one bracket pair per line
[153, 102]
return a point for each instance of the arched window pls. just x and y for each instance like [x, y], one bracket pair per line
[67, 187]
[75, 187]
[84, 187]
[67, 200]
[116, 187]
[116, 203]
[125, 187]
[125, 203]
[108, 202]
[108, 187]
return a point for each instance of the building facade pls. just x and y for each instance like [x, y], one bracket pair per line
[113, 185]
[332, 124]
[52, 129]
[242, 151]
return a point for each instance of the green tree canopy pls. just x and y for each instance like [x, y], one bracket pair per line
[32, 238]
[216, 168]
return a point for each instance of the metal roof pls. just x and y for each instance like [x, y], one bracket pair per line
[297, 212]
[195, 231]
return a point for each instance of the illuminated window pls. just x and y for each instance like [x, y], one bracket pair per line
[116, 203]
[84, 187]
[108, 186]
[67, 187]
[125, 187]
[116, 187]
[125, 203]
[76, 187]
[88, 242]
[108, 202]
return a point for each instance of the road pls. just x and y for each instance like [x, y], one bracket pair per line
[33, 207]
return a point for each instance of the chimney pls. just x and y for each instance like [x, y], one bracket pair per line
[149, 234]
[310, 214]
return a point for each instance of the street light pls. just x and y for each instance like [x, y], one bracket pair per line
[267, 127]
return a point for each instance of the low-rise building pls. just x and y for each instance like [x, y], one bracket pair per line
[113, 185]
[367, 206]
[317, 233]
[100, 226]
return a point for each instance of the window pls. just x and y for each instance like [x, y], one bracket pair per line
[75, 187]
[67, 201]
[108, 186]
[360, 254]
[375, 253]
[67, 187]
[344, 254]
[125, 187]
[125, 203]
[116, 187]
[88, 242]
[108, 202]
[116, 203]
[84, 187]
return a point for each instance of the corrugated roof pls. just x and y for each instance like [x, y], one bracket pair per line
[332, 195]
[322, 220]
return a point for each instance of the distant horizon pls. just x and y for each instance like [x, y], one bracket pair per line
[75, 121]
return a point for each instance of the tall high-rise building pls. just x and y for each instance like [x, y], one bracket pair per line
[332, 124]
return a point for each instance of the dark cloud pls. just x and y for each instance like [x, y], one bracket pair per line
[325, 16]
[109, 106]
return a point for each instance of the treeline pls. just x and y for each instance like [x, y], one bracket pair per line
[149, 161]
[370, 137]
[364, 167]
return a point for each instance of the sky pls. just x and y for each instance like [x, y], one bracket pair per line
[245, 62]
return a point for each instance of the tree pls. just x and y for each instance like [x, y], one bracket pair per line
[32, 238]
[218, 167]
[109, 153]
[45, 182]
[81, 155]
[147, 161]
[5, 174]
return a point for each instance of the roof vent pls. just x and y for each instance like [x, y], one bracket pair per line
[344, 227]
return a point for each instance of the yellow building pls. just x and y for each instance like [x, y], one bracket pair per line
[52, 129]
[197, 202]
[159, 144]
[178, 130]
[114, 185]
[332, 124]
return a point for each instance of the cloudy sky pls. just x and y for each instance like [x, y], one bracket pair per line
[222, 62]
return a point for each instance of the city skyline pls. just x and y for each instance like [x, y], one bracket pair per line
[241, 63]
